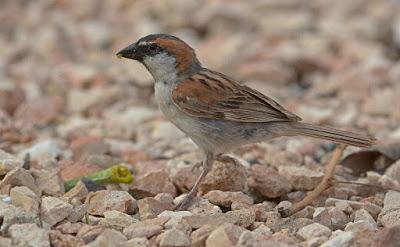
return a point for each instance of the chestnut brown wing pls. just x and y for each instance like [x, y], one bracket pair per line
[209, 94]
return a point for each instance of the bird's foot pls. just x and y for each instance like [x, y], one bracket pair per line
[185, 203]
[225, 158]
[197, 166]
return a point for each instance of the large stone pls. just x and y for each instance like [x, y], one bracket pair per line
[9, 162]
[332, 218]
[58, 239]
[388, 237]
[152, 184]
[131, 117]
[11, 97]
[6, 242]
[344, 205]
[321, 215]
[243, 217]
[19, 177]
[79, 191]
[363, 215]
[105, 200]
[173, 238]
[40, 111]
[273, 219]
[363, 232]
[197, 221]
[391, 201]
[78, 212]
[145, 228]
[261, 210]
[139, 242]
[226, 198]
[225, 235]
[390, 215]
[262, 231]
[372, 208]
[376, 104]
[314, 230]
[226, 175]
[116, 220]
[89, 233]
[301, 178]
[268, 182]
[14, 215]
[200, 206]
[199, 236]
[142, 231]
[343, 239]
[54, 210]
[79, 101]
[71, 170]
[175, 217]
[290, 225]
[394, 171]
[390, 218]
[150, 207]
[49, 182]
[70, 228]
[22, 196]
[89, 145]
[339, 219]
[107, 237]
[29, 235]
[247, 238]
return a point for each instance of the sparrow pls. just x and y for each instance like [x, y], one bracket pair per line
[218, 113]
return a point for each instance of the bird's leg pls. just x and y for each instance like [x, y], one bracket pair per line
[207, 164]
[197, 166]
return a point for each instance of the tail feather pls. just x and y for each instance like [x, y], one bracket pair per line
[332, 134]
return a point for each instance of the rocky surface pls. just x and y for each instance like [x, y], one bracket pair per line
[69, 108]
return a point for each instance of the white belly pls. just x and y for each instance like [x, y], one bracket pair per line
[191, 126]
[163, 97]
[171, 112]
[210, 134]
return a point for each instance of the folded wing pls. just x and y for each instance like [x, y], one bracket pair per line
[209, 94]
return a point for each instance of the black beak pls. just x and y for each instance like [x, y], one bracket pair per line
[128, 52]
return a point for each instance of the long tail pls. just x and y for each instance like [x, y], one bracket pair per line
[332, 134]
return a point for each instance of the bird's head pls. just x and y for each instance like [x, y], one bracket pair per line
[164, 55]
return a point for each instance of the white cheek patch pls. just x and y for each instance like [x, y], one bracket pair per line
[145, 43]
[161, 66]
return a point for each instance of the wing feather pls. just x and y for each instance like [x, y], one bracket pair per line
[209, 94]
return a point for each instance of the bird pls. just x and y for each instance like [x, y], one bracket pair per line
[218, 113]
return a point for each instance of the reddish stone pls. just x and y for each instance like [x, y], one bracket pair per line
[388, 237]
[227, 174]
[268, 182]
[143, 167]
[92, 145]
[40, 112]
[70, 169]
[11, 99]
[152, 184]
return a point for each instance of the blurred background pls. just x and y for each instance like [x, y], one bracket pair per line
[63, 92]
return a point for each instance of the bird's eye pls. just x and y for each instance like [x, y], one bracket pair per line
[152, 47]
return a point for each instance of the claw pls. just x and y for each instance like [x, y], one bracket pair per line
[197, 166]
[185, 203]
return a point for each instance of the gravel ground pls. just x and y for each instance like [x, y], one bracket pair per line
[69, 107]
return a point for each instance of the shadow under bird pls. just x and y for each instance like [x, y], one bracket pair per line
[216, 112]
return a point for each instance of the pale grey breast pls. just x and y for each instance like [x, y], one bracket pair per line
[217, 136]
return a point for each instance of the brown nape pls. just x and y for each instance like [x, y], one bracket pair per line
[183, 53]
